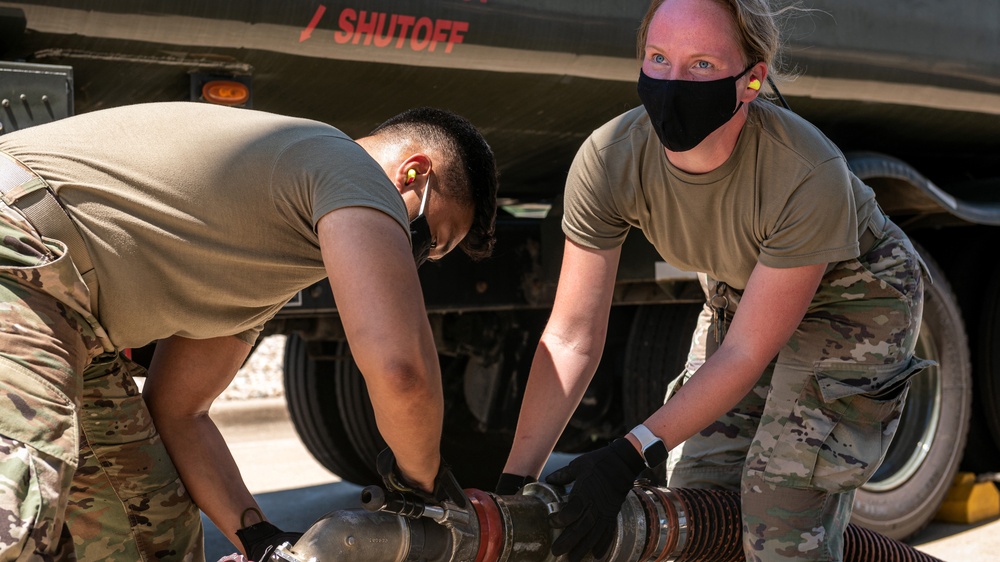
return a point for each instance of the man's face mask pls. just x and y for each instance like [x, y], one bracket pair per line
[420, 232]
[685, 112]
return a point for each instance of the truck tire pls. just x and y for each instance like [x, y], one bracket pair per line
[356, 411]
[905, 492]
[655, 354]
[310, 393]
[982, 452]
[332, 413]
[476, 457]
[988, 365]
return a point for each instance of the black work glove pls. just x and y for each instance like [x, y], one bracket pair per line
[260, 539]
[590, 514]
[445, 485]
[510, 484]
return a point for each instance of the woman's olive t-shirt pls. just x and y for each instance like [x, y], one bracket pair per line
[784, 198]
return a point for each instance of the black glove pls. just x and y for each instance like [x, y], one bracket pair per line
[510, 484]
[260, 539]
[590, 514]
[445, 485]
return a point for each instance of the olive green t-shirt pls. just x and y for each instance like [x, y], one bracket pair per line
[200, 220]
[784, 198]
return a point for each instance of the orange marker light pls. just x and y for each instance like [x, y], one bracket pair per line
[225, 92]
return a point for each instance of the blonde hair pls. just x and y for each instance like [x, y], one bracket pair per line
[756, 25]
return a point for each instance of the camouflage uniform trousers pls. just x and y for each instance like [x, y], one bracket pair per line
[83, 473]
[819, 421]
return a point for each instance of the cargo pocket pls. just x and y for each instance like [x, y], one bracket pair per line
[38, 413]
[32, 500]
[38, 456]
[841, 425]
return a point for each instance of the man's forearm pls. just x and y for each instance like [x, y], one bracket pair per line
[409, 411]
[184, 377]
[208, 470]
[381, 307]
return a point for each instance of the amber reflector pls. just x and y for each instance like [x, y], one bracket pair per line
[225, 92]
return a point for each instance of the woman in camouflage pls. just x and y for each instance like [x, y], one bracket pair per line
[801, 359]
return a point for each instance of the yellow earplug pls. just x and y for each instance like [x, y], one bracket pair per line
[411, 175]
[754, 84]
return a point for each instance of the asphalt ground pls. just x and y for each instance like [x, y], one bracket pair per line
[294, 490]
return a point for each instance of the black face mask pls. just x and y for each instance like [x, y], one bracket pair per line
[684, 112]
[420, 232]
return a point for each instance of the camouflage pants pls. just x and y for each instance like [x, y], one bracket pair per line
[83, 473]
[819, 421]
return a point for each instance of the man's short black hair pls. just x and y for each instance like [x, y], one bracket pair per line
[474, 166]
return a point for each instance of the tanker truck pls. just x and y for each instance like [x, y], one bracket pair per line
[909, 91]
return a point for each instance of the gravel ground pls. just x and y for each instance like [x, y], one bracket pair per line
[261, 376]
